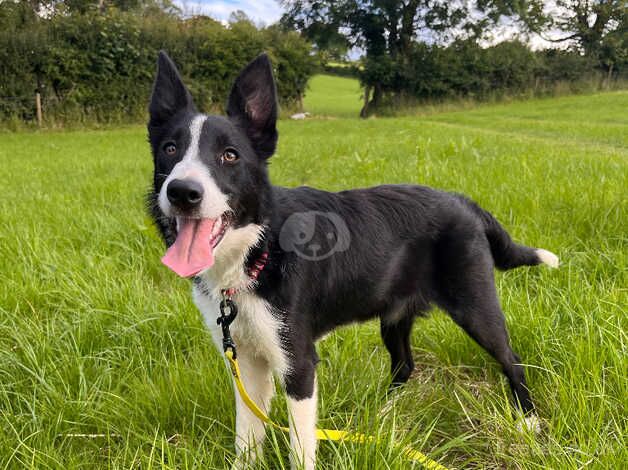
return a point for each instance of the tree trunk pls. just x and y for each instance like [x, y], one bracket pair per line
[377, 96]
[374, 103]
[300, 101]
[609, 77]
[365, 108]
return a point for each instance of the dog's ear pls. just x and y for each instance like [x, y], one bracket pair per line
[169, 93]
[253, 106]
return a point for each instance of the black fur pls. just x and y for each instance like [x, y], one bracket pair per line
[394, 251]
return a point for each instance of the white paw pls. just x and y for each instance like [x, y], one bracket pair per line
[530, 423]
[547, 257]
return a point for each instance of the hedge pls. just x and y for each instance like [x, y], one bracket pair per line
[464, 69]
[99, 67]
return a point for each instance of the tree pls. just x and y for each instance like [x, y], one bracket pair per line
[387, 29]
[321, 23]
[597, 27]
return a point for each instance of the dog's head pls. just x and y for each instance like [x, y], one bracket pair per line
[210, 177]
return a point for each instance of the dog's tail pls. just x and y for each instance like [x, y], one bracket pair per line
[506, 253]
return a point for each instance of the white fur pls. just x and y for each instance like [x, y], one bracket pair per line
[303, 431]
[250, 431]
[547, 257]
[214, 202]
[530, 423]
[229, 257]
[255, 330]
[256, 333]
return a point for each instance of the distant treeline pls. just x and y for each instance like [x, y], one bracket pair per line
[466, 70]
[98, 66]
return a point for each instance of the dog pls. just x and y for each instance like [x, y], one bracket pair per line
[299, 262]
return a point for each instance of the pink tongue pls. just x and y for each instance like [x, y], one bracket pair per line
[191, 252]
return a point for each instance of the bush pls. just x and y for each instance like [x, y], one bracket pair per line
[99, 67]
[466, 70]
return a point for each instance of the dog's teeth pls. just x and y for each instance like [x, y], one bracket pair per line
[216, 228]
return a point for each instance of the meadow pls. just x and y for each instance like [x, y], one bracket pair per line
[105, 363]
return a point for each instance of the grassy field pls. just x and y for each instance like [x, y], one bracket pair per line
[104, 361]
[330, 96]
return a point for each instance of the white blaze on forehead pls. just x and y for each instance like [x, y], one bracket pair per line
[214, 202]
[196, 126]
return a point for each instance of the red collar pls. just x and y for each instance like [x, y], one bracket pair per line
[253, 271]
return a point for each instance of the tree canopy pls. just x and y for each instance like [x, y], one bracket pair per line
[599, 29]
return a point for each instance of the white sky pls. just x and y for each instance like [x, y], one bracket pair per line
[260, 11]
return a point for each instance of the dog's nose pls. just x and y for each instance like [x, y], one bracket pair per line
[185, 194]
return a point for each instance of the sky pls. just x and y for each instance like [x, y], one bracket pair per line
[260, 11]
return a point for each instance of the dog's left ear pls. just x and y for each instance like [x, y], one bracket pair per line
[253, 105]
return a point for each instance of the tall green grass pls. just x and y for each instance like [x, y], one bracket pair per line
[104, 361]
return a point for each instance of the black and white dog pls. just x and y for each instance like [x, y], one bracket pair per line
[300, 262]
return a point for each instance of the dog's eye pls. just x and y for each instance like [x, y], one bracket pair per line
[170, 149]
[229, 156]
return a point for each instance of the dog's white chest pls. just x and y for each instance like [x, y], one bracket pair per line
[256, 330]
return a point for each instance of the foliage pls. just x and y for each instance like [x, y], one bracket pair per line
[592, 25]
[464, 69]
[99, 66]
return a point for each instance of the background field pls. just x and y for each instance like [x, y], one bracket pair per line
[104, 361]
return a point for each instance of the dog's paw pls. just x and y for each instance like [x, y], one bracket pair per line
[530, 423]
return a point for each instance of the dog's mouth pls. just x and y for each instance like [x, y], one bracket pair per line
[193, 250]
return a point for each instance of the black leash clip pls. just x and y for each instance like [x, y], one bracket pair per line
[228, 312]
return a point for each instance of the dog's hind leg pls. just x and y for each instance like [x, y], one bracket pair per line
[471, 300]
[486, 325]
[250, 431]
[396, 336]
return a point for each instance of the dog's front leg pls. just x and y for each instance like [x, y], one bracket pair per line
[302, 402]
[250, 431]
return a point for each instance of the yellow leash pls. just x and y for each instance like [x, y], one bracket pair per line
[321, 434]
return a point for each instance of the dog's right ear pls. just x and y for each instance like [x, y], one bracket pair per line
[252, 105]
[169, 93]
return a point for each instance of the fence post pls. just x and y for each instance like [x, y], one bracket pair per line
[38, 105]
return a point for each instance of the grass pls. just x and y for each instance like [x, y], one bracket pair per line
[104, 361]
[333, 96]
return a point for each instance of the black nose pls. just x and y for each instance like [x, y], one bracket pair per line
[185, 194]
